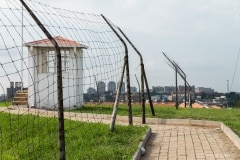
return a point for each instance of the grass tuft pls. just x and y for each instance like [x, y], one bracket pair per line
[31, 137]
[5, 103]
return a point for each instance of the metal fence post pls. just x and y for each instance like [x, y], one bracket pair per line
[115, 107]
[62, 151]
[130, 119]
[176, 88]
[143, 77]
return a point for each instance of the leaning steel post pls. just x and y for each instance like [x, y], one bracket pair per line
[148, 93]
[139, 94]
[142, 80]
[130, 118]
[115, 107]
[176, 87]
[62, 151]
[185, 93]
[143, 96]
[143, 77]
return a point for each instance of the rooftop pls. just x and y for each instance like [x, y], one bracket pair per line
[61, 41]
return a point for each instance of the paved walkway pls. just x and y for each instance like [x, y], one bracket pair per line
[171, 142]
[167, 142]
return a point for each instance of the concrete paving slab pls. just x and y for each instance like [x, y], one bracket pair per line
[189, 142]
[170, 139]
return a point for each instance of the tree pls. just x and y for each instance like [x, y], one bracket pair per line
[203, 95]
[233, 99]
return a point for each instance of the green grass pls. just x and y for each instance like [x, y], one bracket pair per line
[32, 137]
[230, 117]
[5, 103]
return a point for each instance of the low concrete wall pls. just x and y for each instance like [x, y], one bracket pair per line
[234, 138]
[141, 146]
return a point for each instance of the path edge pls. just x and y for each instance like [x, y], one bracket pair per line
[141, 146]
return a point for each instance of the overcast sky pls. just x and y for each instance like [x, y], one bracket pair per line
[202, 36]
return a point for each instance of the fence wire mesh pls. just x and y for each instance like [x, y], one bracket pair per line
[92, 62]
[92, 56]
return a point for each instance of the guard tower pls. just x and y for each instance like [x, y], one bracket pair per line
[42, 81]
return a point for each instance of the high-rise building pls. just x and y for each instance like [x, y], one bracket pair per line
[123, 87]
[203, 89]
[111, 86]
[181, 89]
[133, 89]
[101, 86]
[158, 89]
[169, 89]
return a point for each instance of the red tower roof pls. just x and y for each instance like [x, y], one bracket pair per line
[61, 41]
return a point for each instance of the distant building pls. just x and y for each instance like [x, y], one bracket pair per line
[123, 87]
[169, 89]
[13, 89]
[111, 86]
[101, 87]
[2, 98]
[181, 89]
[193, 88]
[205, 90]
[91, 90]
[158, 89]
[133, 89]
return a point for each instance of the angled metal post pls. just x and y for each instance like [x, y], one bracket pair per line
[115, 107]
[143, 96]
[59, 83]
[143, 77]
[184, 77]
[148, 93]
[130, 119]
[176, 88]
[179, 71]
[185, 93]
[139, 94]
[175, 69]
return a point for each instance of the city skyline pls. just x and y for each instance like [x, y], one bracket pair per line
[167, 88]
[201, 36]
